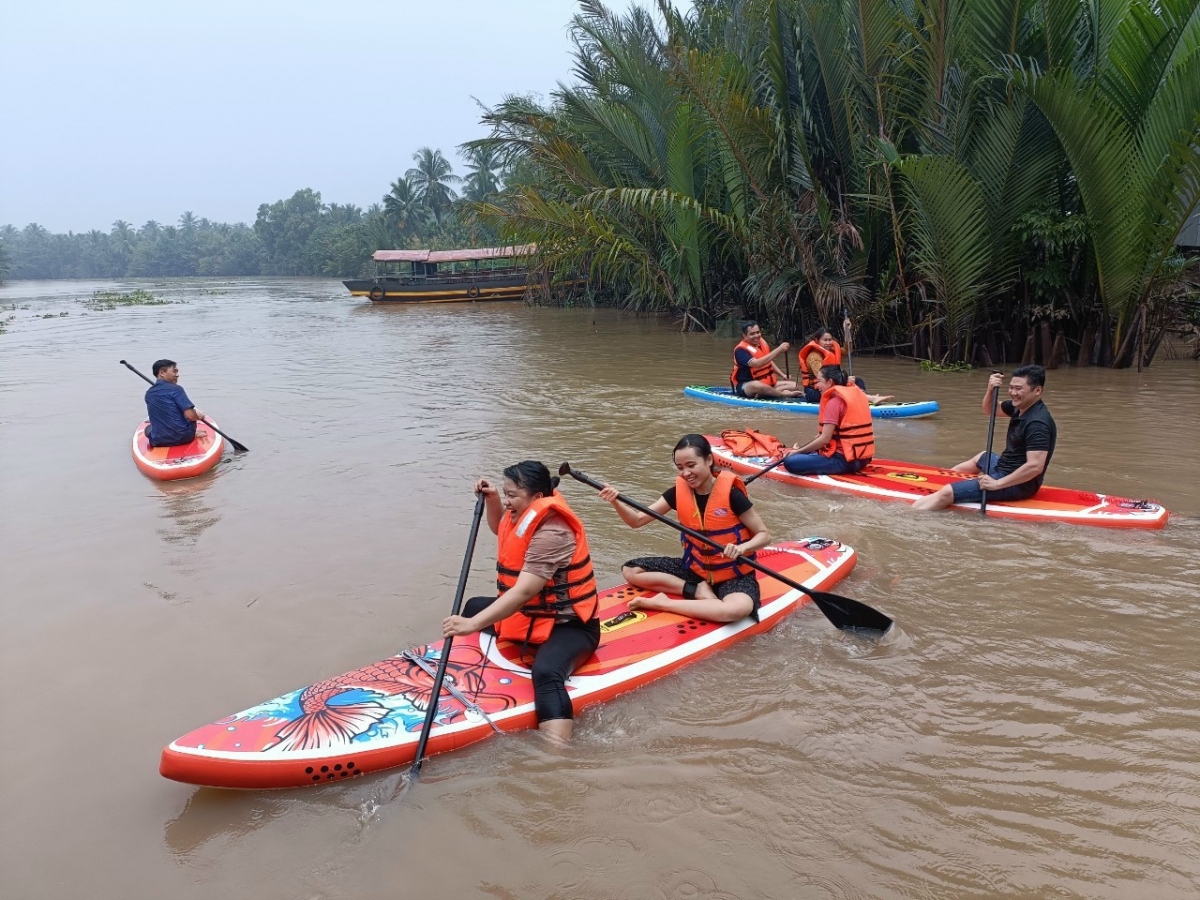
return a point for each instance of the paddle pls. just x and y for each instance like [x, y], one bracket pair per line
[991, 435]
[846, 338]
[843, 612]
[763, 471]
[238, 446]
[431, 712]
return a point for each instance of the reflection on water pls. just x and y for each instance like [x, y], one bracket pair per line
[1029, 730]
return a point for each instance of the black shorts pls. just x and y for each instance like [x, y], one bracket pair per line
[673, 565]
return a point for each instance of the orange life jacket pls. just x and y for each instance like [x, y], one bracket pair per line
[854, 435]
[572, 587]
[765, 374]
[719, 523]
[828, 358]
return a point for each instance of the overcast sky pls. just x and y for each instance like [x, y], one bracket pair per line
[142, 109]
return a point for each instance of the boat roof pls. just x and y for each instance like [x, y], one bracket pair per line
[442, 256]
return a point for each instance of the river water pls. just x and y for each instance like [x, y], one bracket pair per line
[1034, 731]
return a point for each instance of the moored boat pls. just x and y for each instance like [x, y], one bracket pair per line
[370, 719]
[446, 276]
[887, 479]
[914, 409]
[184, 461]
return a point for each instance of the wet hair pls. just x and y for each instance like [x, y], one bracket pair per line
[161, 364]
[747, 325]
[820, 333]
[834, 374]
[697, 442]
[532, 476]
[1035, 376]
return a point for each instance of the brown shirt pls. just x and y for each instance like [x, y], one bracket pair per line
[550, 548]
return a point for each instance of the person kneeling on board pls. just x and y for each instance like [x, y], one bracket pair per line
[754, 371]
[822, 350]
[172, 415]
[713, 584]
[1016, 474]
[547, 589]
[845, 440]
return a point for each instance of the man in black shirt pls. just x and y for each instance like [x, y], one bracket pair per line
[1017, 473]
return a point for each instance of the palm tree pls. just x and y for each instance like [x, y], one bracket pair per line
[401, 208]
[483, 165]
[431, 179]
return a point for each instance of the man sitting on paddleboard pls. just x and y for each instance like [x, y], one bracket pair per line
[845, 440]
[754, 371]
[172, 415]
[547, 589]
[713, 584]
[1018, 472]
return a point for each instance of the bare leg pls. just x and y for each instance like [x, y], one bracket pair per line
[652, 581]
[707, 605]
[970, 465]
[756, 389]
[557, 730]
[939, 499]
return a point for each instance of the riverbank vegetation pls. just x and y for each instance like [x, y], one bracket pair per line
[975, 180]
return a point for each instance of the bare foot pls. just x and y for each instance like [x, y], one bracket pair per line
[658, 601]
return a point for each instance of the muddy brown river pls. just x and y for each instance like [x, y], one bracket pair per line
[1034, 730]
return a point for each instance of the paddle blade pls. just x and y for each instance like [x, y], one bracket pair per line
[847, 614]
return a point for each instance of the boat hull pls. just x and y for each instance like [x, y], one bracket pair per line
[457, 290]
[174, 463]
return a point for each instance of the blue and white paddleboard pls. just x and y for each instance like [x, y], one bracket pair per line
[909, 410]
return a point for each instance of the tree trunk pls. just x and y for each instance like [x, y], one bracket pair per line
[1141, 352]
[1088, 345]
[1154, 344]
[1057, 352]
[1104, 346]
[982, 356]
[1124, 356]
[1027, 356]
[918, 342]
[1046, 346]
[989, 348]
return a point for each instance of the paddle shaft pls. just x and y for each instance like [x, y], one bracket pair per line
[988, 458]
[846, 338]
[440, 676]
[841, 611]
[237, 445]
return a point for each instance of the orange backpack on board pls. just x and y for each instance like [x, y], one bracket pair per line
[749, 442]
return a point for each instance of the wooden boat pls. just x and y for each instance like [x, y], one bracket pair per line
[887, 479]
[446, 276]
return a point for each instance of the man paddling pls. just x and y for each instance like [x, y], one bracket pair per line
[172, 415]
[1018, 472]
[754, 371]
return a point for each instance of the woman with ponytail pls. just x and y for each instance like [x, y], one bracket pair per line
[546, 590]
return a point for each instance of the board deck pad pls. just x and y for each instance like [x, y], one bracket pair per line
[913, 409]
[888, 479]
[370, 719]
[184, 461]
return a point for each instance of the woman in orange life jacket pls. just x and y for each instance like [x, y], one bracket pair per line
[845, 440]
[822, 349]
[713, 584]
[547, 590]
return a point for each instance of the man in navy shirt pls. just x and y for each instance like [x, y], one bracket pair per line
[172, 415]
[1017, 473]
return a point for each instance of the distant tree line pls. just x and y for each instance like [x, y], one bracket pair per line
[301, 235]
[975, 180]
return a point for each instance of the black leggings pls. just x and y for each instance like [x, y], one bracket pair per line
[568, 647]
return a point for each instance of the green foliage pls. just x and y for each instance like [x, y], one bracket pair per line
[928, 365]
[104, 300]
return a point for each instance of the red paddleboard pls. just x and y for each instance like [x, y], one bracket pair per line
[184, 461]
[370, 719]
[888, 479]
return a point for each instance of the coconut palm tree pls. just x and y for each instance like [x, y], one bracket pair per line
[430, 180]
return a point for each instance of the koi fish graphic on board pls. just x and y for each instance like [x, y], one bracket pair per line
[324, 723]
